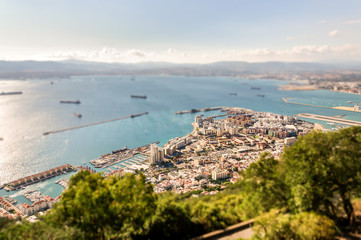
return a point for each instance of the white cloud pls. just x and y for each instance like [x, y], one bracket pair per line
[171, 50]
[295, 53]
[290, 38]
[334, 33]
[353, 21]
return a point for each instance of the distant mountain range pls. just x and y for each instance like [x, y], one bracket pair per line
[64, 69]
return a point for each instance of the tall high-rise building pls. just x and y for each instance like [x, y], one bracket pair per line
[156, 154]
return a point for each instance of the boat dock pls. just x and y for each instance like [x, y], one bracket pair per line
[329, 119]
[95, 123]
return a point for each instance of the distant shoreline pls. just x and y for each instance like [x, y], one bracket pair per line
[291, 87]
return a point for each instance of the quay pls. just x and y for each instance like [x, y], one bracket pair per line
[22, 182]
[329, 119]
[310, 105]
[95, 123]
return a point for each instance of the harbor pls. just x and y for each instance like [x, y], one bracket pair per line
[95, 123]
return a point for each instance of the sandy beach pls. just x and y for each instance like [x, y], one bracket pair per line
[291, 87]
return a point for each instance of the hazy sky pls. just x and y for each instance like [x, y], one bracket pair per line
[181, 31]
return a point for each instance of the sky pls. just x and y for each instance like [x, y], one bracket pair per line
[181, 31]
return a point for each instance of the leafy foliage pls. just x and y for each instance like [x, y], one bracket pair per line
[276, 225]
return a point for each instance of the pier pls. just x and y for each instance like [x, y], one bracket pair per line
[95, 123]
[329, 119]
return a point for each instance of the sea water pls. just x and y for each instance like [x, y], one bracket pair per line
[24, 118]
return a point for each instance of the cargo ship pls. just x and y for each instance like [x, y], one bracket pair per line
[69, 101]
[10, 93]
[139, 96]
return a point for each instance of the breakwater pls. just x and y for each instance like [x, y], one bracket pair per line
[22, 182]
[194, 110]
[95, 123]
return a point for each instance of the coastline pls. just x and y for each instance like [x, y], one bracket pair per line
[292, 87]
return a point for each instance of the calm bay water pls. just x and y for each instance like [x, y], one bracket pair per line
[24, 118]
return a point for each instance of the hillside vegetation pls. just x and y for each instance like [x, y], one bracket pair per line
[309, 193]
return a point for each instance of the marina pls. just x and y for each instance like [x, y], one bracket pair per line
[62, 182]
[23, 182]
[123, 156]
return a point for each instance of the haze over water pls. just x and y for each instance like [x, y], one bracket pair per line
[24, 118]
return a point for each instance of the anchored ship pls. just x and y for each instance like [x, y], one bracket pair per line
[10, 93]
[138, 96]
[70, 101]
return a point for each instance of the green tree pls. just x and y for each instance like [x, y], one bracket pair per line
[100, 207]
[263, 187]
[276, 225]
[171, 220]
[321, 168]
[40, 230]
